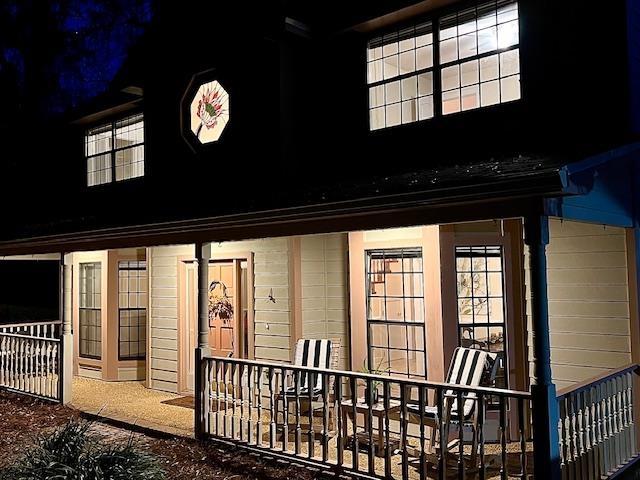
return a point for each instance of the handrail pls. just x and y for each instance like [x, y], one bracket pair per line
[373, 377]
[28, 337]
[30, 324]
[587, 384]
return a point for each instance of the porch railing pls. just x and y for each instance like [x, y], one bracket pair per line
[30, 359]
[597, 428]
[340, 426]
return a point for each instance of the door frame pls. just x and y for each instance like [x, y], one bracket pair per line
[183, 327]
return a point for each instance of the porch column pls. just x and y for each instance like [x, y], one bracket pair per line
[545, 405]
[203, 254]
[66, 339]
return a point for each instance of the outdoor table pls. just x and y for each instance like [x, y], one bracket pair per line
[377, 410]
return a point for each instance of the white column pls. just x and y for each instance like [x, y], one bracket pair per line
[66, 340]
[203, 254]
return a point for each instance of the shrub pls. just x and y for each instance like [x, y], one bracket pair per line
[72, 452]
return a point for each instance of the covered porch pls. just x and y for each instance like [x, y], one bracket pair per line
[545, 290]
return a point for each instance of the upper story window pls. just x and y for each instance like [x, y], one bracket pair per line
[115, 151]
[462, 61]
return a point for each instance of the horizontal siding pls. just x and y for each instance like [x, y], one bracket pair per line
[588, 301]
[272, 321]
[163, 269]
[324, 278]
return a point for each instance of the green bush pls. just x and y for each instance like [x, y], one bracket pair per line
[72, 452]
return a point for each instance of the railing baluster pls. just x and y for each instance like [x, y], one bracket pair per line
[523, 440]
[311, 433]
[372, 446]
[460, 402]
[325, 417]
[259, 431]
[250, 393]
[421, 406]
[443, 433]
[387, 429]
[241, 382]
[272, 425]
[285, 411]
[340, 427]
[482, 473]
[405, 395]
[504, 473]
[298, 427]
[354, 406]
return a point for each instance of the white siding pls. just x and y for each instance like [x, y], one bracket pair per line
[588, 301]
[271, 276]
[324, 276]
[163, 272]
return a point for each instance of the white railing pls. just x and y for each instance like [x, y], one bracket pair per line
[368, 425]
[597, 430]
[30, 359]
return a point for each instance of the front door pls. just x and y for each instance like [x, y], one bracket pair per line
[223, 278]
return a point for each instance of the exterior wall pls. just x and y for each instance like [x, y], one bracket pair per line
[325, 292]
[162, 264]
[588, 301]
[272, 276]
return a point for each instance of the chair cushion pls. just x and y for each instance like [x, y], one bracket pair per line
[312, 353]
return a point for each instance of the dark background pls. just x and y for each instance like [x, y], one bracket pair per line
[298, 133]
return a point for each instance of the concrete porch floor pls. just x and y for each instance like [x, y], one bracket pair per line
[132, 403]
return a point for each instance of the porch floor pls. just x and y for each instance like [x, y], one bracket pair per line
[132, 403]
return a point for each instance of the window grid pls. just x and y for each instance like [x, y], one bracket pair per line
[400, 76]
[481, 302]
[115, 151]
[474, 53]
[396, 340]
[479, 56]
[90, 320]
[132, 309]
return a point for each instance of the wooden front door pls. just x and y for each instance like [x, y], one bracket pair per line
[223, 331]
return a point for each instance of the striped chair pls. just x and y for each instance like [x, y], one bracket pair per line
[469, 367]
[311, 353]
[317, 354]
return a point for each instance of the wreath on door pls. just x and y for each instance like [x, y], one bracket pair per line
[219, 304]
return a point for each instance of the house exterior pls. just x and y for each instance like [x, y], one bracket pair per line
[402, 179]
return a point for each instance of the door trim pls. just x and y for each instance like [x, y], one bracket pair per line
[183, 327]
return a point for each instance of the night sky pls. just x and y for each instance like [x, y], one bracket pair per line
[56, 55]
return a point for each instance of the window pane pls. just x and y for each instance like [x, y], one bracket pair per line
[374, 71]
[510, 63]
[508, 34]
[393, 115]
[409, 111]
[450, 77]
[407, 62]
[392, 92]
[424, 57]
[448, 50]
[490, 93]
[376, 118]
[469, 73]
[451, 102]
[425, 84]
[409, 88]
[470, 97]
[489, 68]
[390, 66]
[510, 88]
[425, 108]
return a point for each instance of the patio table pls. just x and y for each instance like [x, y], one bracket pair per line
[378, 410]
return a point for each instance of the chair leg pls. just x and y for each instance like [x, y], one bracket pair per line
[474, 446]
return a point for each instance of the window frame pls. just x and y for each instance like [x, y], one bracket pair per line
[97, 274]
[141, 355]
[504, 324]
[420, 325]
[111, 126]
[435, 19]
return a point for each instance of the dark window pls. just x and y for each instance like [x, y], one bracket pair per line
[481, 302]
[395, 311]
[115, 151]
[132, 309]
[477, 63]
[90, 311]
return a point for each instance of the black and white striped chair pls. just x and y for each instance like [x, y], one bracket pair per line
[315, 354]
[312, 353]
[469, 367]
